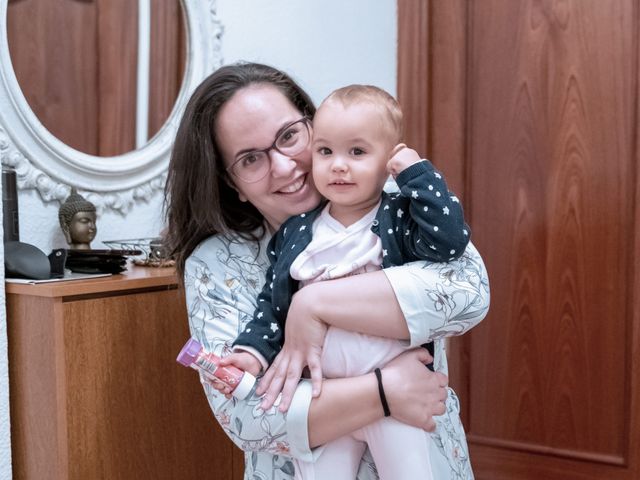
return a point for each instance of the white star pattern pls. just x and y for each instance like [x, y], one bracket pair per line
[414, 194]
[384, 252]
[445, 210]
[274, 327]
[400, 213]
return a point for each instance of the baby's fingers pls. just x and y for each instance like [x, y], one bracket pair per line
[271, 383]
[315, 368]
[219, 386]
[293, 375]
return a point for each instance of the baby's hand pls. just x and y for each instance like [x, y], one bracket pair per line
[402, 157]
[244, 361]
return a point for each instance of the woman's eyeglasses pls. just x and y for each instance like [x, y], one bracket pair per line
[254, 166]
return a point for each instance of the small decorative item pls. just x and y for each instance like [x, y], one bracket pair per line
[153, 252]
[78, 221]
[194, 355]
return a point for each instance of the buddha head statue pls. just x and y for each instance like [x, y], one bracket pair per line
[78, 221]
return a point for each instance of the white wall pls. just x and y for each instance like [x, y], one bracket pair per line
[323, 44]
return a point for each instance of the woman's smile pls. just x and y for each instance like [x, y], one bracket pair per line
[295, 186]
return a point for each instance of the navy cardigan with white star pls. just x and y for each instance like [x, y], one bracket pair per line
[424, 221]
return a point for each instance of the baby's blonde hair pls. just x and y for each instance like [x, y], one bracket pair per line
[388, 106]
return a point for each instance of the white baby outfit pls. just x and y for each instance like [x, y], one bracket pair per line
[399, 450]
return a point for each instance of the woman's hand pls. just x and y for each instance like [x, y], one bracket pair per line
[304, 338]
[414, 393]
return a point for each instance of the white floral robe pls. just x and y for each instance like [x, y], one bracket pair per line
[223, 277]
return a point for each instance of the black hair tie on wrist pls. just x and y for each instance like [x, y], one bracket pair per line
[383, 398]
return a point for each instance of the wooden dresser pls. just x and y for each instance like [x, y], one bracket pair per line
[95, 391]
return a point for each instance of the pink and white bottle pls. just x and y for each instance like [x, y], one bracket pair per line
[195, 356]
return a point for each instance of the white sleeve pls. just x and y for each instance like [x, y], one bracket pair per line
[441, 299]
[222, 281]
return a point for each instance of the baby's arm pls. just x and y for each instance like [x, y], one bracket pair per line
[434, 228]
[243, 360]
[263, 335]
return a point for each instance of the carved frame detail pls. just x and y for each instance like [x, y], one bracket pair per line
[44, 163]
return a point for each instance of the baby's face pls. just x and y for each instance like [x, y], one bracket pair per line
[350, 148]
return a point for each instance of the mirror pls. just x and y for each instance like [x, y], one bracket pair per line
[44, 162]
[106, 81]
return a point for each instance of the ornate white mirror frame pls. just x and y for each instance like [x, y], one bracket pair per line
[44, 163]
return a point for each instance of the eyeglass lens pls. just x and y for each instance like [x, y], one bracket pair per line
[253, 166]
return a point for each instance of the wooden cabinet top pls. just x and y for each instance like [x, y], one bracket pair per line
[134, 278]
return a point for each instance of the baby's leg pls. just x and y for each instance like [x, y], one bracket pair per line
[399, 450]
[337, 460]
[349, 354]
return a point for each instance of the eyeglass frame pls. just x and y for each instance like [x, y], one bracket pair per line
[305, 119]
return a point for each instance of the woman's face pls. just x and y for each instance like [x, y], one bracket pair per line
[250, 121]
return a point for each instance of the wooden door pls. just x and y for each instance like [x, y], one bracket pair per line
[530, 107]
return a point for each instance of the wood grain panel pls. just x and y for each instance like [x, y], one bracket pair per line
[117, 53]
[448, 128]
[167, 62]
[52, 47]
[552, 190]
[36, 385]
[413, 72]
[106, 338]
[551, 160]
[432, 45]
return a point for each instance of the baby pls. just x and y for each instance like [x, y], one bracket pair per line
[355, 146]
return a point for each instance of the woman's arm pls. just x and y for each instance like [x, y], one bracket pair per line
[221, 283]
[417, 302]
[414, 395]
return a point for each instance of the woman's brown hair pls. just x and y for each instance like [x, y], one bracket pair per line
[198, 201]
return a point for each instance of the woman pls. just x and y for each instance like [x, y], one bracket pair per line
[219, 227]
